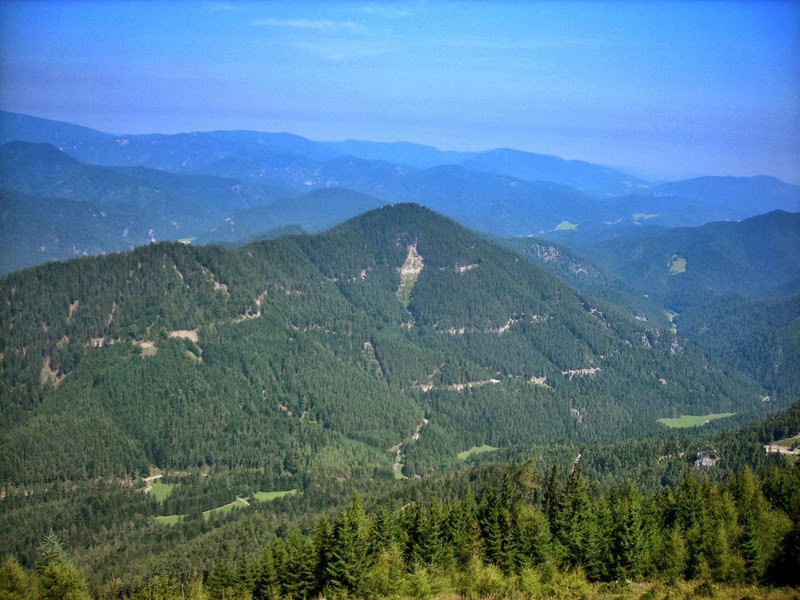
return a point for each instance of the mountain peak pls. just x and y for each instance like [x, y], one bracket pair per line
[29, 153]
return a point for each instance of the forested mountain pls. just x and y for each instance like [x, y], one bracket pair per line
[731, 287]
[758, 257]
[69, 208]
[587, 276]
[760, 337]
[309, 352]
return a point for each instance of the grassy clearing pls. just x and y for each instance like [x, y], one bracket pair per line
[678, 265]
[566, 226]
[474, 450]
[693, 420]
[161, 491]
[169, 519]
[267, 496]
[226, 508]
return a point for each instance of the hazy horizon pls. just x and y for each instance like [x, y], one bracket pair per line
[661, 90]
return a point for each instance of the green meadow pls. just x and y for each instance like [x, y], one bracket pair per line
[693, 420]
[566, 226]
[225, 508]
[474, 450]
[161, 491]
[267, 496]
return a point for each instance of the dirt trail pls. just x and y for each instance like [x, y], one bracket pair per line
[149, 481]
[775, 448]
[397, 450]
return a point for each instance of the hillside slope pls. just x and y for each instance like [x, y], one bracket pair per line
[318, 354]
[757, 257]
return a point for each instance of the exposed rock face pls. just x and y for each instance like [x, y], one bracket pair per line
[409, 273]
[706, 457]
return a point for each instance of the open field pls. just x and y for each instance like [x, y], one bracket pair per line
[693, 420]
[475, 450]
[169, 519]
[566, 226]
[678, 265]
[267, 496]
[225, 508]
[161, 491]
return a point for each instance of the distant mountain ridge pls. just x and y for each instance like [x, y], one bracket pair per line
[198, 151]
[194, 186]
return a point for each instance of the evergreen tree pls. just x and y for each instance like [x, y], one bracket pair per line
[751, 506]
[600, 551]
[349, 551]
[553, 499]
[491, 518]
[383, 533]
[266, 585]
[56, 577]
[385, 576]
[300, 578]
[577, 518]
[323, 541]
[13, 581]
[463, 531]
[629, 540]
[223, 582]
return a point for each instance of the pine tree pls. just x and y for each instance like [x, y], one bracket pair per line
[300, 565]
[629, 542]
[751, 506]
[553, 500]
[577, 518]
[323, 541]
[57, 578]
[490, 517]
[348, 559]
[385, 577]
[462, 530]
[266, 585]
[382, 534]
[223, 582]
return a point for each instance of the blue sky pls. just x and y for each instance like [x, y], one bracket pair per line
[664, 89]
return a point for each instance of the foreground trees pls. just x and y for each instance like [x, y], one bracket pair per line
[513, 540]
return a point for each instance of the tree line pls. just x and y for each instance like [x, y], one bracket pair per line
[516, 537]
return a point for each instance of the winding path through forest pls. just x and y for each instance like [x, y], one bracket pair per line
[397, 449]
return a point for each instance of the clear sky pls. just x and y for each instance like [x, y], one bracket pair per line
[664, 89]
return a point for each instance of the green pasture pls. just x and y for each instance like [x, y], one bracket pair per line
[475, 450]
[693, 420]
[267, 496]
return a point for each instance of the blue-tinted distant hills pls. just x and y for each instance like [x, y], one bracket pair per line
[686, 267]
[316, 210]
[194, 185]
[586, 177]
[60, 207]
